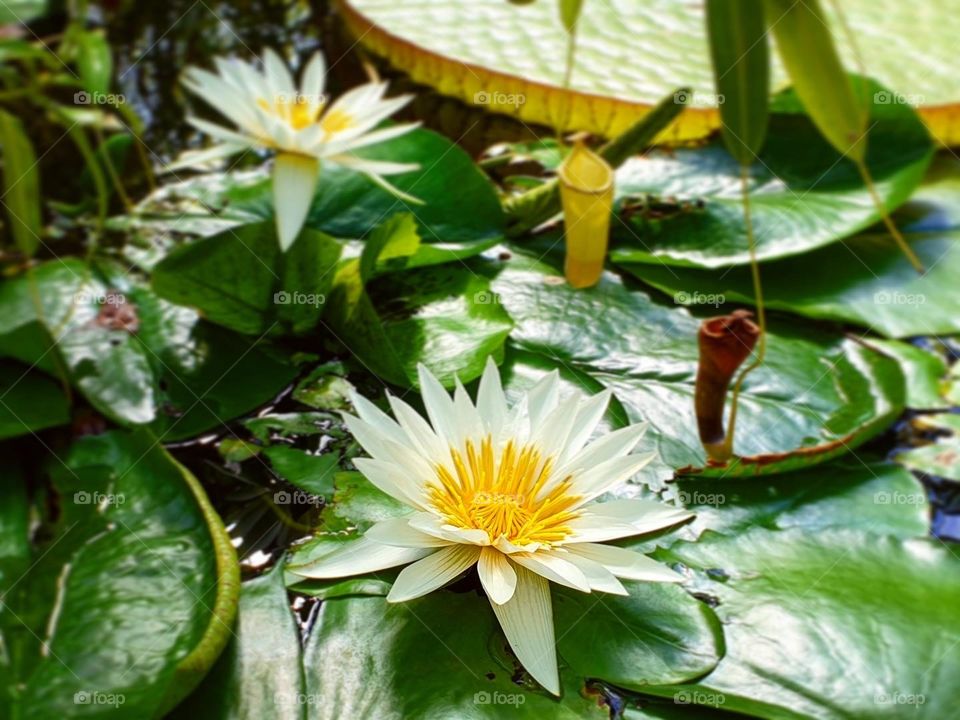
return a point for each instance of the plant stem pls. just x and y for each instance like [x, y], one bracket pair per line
[887, 221]
[761, 311]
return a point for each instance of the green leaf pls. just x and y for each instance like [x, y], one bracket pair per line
[445, 317]
[741, 69]
[260, 673]
[29, 401]
[368, 658]
[827, 393]
[924, 372]
[241, 280]
[940, 459]
[22, 11]
[311, 473]
[21, 184]
[461, 215]
[632, 54]
[845, 601]
[864, 493]
[806, 47]
[804, 195]
[133, 592]
[94, 62]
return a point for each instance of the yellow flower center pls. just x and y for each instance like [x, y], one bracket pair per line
[296, 111]
[336, 121]
[504, 496]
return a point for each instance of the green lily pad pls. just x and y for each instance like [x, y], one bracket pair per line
[865, 280]
[804, 195]
[240, 279]
[368, 658]
[460, 215]
[923, 370]
[940, 459]
[817, 396]
[260, 673]
[29, 401]
[311, 473]
[832, 624]
[509, 57]
[155, 363]
[444, 317]
[133, 593]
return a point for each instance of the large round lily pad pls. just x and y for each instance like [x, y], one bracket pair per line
[510, 57]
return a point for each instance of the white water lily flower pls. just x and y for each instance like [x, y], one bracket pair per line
[271, 112]
[508, 490]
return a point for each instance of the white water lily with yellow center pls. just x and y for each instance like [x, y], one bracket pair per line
[271, 112]
[510, 490]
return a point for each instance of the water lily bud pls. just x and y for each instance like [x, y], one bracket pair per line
[586, 193]
[725, 342]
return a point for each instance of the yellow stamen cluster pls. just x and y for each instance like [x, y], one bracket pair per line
[503, 496]
[336, 121]
[296, 111]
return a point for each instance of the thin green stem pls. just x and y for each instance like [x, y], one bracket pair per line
[761, 312]
[887, 220]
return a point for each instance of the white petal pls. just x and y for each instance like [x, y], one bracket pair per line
[543, 398]
[378, 419]
[334, 147]
[592, 528]
[612, 445]
[219, 132]
[372, 167]
[625, 563]
[392, 480]
[311, 86]
[392, 189]
[399, 532]
[497, 575]
[505, 546]
[527, 621]
[419, 432]
[555, 568]
[222, 96]
[193, 158]
[439, 406]
[432, 525]
[491, 402]
[589, 415]
[294, 180]
[600, 478]
[599, 577]
[433, 572]
[645, 515]
[357, 557]
[552, 433]
[469, 424]
[278, 77]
